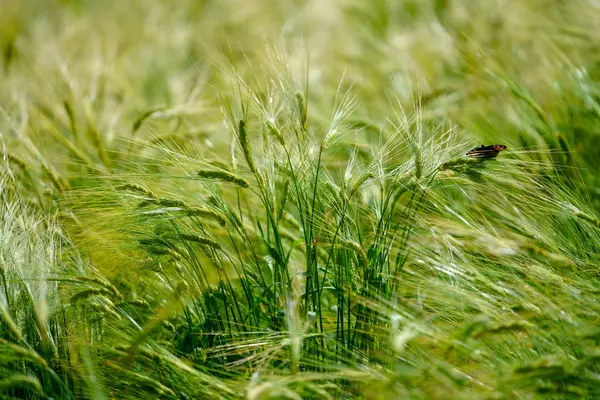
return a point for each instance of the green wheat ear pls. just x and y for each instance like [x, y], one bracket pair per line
[360, 253]
[303, 111]
[21, 382]
[418, 161]
[10, 322]
[54, 178]
[132, 187]
[224, 176]
[101, 282]
[245, 143]
[201, 240]
[168, 202]
[11, 158]
[145, 115]
[460, 164]
[357, 185]
[164, 202]
[85, 294]
[206, 213]
[275, 132]
[22, 353]
[588, 218]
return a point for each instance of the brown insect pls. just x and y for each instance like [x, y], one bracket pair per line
[490, 151]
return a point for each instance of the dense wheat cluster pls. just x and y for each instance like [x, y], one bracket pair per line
[228, 199]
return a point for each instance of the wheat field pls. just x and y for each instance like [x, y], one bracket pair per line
[273, 199]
